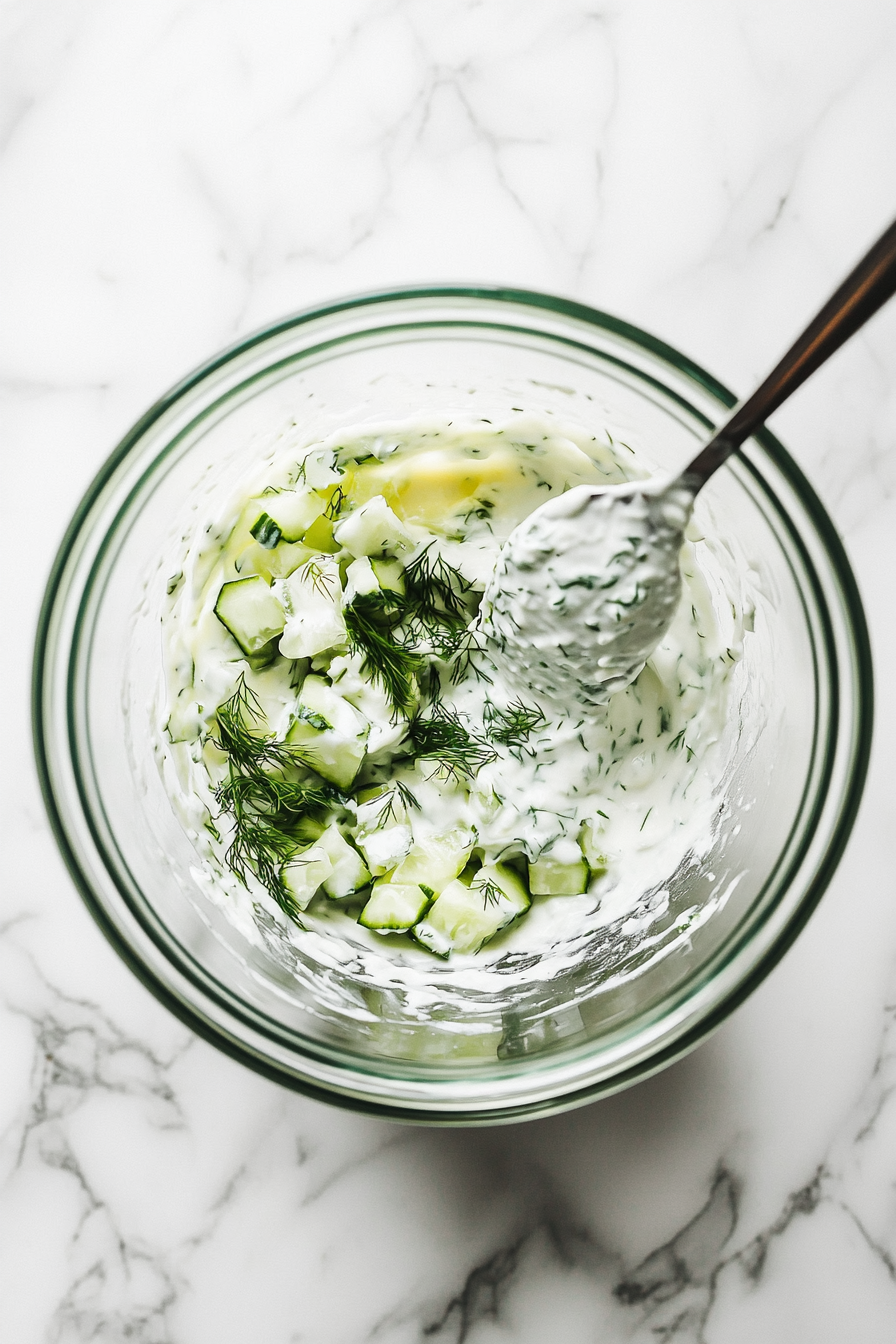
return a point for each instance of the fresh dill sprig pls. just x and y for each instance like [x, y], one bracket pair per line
[396, 631]
[263, 802]
[248, 749]
[436, 600]
[335, 503]
[491, 892]
[322, 581]
[397, 795]
[441, 737]
[512, 726]
[461, 653]
[370, 622]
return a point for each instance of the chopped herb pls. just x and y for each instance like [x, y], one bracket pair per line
[491, 892]
[512, 726]
[436, 601]
[263, 802]
[336, 501]
[370, 623]
[388, 628]
[322, 580]
[441, 737]
[397, 795]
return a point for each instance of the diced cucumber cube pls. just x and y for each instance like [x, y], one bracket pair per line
[432, 939]
[265, 531]
[468, 915]
[331, 733]
[185, 718]
[313, 597]
[335, 759]
[384, 846]
[360, 578]
[373, 529]
[389, 575]
[394, 907]
[549, 877]
[291, 512]
[305, 874]
[320, 536]
[319, 697]
[509, 884]
[251, 612]
[349, 871]
[435, 861]
[272, 564]
[264, 656]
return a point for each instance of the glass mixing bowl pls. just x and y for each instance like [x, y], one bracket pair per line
[631, 1002]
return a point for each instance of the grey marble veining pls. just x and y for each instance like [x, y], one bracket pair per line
[172, 175]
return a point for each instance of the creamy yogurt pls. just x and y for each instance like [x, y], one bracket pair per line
[628, 787]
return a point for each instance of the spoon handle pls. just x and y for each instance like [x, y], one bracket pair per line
[863, 291]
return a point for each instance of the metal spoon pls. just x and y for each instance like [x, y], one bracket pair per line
[586, 587]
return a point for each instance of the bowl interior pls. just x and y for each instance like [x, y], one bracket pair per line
[628, 997]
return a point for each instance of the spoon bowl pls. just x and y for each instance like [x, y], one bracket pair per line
[589, 583]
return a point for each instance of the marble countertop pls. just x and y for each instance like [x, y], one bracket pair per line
[175, 173]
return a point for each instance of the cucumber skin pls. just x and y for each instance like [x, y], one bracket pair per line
[266, 532]
[466, 920]
[266, 633]
[381, 922]
[547, 878]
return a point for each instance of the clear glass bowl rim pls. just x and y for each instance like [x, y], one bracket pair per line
[852, 793]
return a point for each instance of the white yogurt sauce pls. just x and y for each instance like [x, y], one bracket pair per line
[584, 589]
[638, 777]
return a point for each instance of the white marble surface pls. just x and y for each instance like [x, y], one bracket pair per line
[177, 172]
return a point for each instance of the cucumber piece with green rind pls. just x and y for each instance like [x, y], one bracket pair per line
[278, 563]
[373, 529]
[265, 531]
[251, 613]
[389, 575]
[329, 732]
[467, 915]
[436, 860]
[394, 907]
[304, 874]
[548, 877]
[350, 873]
[291, 512]
[320, 536]
[432, 939]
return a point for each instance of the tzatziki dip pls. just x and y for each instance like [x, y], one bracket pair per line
[351, 752]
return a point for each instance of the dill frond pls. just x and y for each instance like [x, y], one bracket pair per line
[441, 737]
[335, 503]
[491, 892]
[512, 726]
[436, 589]
[263, 801]
[398, 795]
[324, 582]
[397, 632]
[370, 622]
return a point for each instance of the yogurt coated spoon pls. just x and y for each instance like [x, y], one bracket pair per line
[587, 586]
